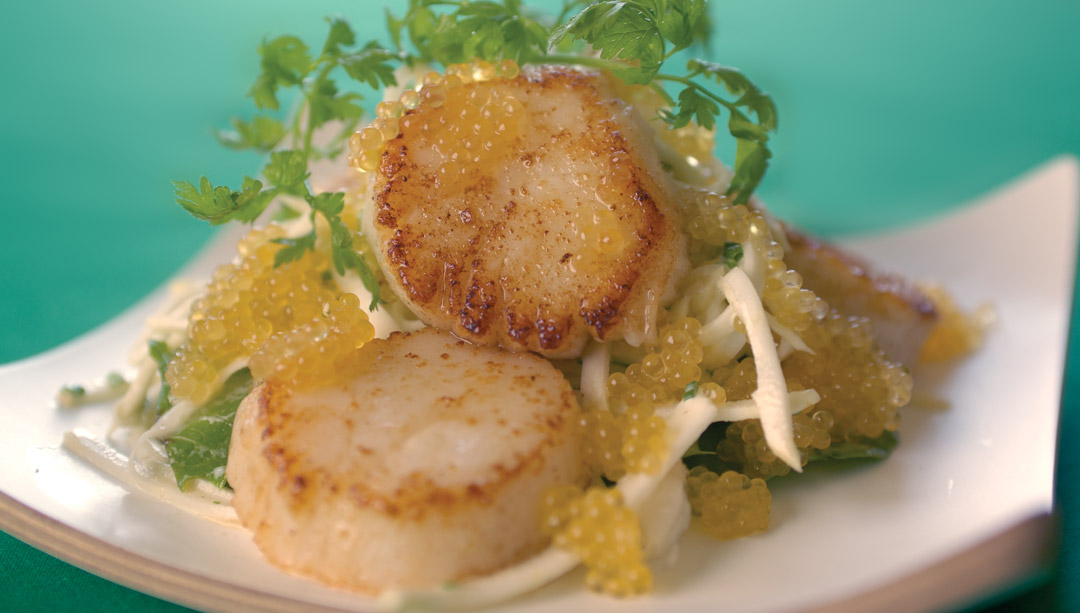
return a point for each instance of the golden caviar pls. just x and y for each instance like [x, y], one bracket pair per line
[730, 505]
[861, 390]
[606, 535]
[860, 387]
[479, 116]
[715, 221]
[632, 439]
[245, 303]
[320, 352]
[957, 333]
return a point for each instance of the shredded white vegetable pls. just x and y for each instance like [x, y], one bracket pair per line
[595, 367]
[720, 341]
[739, 410]
[771, 394]
[788, 335]
[753, 264]
[132, 402]
[204, 500]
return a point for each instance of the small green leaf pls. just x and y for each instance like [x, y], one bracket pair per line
[294, 248]
[733, 253]
[159, 352]
[692, 106]
[287, 170]
[325, 104]
[677, 20]
[869, 449]
[341, 35]
[749, 96]
[690, 391]
[285, 62]
[200, 450]
[619, 30]
[262, 134]
[286, 213]
[328, 203]
[371, 65]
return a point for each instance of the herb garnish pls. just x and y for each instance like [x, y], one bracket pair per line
[631, 38]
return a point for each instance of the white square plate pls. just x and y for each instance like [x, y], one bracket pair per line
[978, 475]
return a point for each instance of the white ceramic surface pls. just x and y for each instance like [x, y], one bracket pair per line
[959, 477]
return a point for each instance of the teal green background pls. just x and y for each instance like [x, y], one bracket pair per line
[889, 113]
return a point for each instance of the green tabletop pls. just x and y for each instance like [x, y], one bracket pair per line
[889, 112]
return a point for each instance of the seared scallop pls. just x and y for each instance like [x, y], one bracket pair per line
[427, 466]
[530, 213]
[902, 315]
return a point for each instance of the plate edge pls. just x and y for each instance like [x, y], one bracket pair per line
[1022, 550]
[137, 572]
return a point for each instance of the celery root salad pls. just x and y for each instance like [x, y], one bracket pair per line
[521, 320]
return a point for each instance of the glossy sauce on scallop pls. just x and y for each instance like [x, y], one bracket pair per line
[527, 212]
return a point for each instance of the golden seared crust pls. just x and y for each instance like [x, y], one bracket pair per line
[487, 235]
[901, 314]
[427, 466]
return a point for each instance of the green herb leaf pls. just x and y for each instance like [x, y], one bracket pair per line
[341, 34]
[693, 106]
[261, 134]
[159, 352]
[285, 62]
[690, 391]
[733, 253]
[220, 204]
[325, 104]
[345, 256]
[749, 96]
[869, 449]
[294, 249]
[371, 65]
[677, 20]
[329, 204]
[200, 449]
[287, 171]
[620, 30]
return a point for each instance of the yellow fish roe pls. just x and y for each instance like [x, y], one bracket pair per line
[604, 534]
[482, 115]
[245, 303]
[320, 352]
[715, 221]
[633, 440]
[860, 388]
[957, 333]
[730, 505]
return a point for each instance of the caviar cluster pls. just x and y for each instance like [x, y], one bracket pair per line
[595, 526]
[860, 388]
[633, 439]
[730, 505]
[956, 333]
[466, 129]
[319, 352]
[246, 303]
[715, 221]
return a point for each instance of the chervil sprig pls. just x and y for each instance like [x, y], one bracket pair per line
[635, 37]
[286, 62]
[631, 38]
